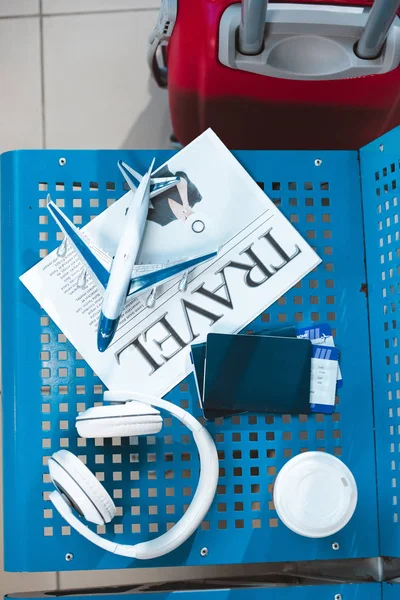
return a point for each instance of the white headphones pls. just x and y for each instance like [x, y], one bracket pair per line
[77, 488]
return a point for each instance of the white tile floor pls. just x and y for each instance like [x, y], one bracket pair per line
[73, 74]
[97, 87]
[16, 8]
[20, 76]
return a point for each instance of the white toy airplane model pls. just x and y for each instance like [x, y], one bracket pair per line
[119, 277]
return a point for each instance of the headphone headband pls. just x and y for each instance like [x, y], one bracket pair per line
[197, 509]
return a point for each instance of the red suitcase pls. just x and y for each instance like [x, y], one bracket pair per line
[291, 106]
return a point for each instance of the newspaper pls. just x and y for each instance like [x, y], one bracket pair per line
[261, 256]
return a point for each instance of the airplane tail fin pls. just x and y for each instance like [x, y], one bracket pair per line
[157, 184]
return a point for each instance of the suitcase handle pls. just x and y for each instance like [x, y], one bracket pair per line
[376, 30]
[252, 26]
[157, 55]
[369, 47]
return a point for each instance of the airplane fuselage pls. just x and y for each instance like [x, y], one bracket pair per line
[121, 269]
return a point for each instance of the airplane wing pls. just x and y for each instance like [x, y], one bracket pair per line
[83, 247]
[99, 262]
[149, 276]
[157, 184]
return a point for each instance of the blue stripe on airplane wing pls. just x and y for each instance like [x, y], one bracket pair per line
[154, 278]
[81, 247]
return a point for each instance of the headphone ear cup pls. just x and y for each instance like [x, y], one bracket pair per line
[119, 420]
[81, 488]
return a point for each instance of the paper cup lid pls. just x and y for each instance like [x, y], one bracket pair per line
[315, 494]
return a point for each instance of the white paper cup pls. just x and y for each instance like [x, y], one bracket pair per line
[315, 494]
